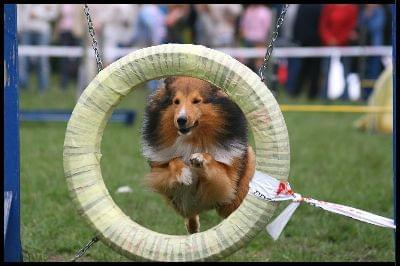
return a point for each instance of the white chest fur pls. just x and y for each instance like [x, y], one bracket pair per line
[183, 149]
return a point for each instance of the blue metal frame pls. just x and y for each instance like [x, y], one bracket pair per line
[12, 244]
[123, 116]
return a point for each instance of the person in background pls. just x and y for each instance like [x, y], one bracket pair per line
[34, 28]
[68, 35]
[191, 24]
[307, 69]
[116, 28]
[224, 17]
[285, 36]
[150, 26]
[204, 25]
[99, 19]
[388, 25]
[176, 22]
[216, 24]
[150, 30]
[88, 67]
[337, 27]
[255, 25]
[286, 39]
[373, 18]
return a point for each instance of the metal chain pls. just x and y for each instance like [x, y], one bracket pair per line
[83, 250]
[271, 43]
[94, 42]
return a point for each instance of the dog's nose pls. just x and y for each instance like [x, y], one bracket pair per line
[181, 121]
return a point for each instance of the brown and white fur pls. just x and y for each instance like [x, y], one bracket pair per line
[195, 139]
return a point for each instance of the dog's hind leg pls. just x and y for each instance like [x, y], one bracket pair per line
[193, 224]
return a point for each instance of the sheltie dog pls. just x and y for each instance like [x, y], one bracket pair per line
[195, 139]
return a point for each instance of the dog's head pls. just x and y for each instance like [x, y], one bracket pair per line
[190, 102]
[194, 109]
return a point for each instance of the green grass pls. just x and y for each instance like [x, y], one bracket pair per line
[330, 161]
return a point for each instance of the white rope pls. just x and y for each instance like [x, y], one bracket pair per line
[271, 189]
[279, 52]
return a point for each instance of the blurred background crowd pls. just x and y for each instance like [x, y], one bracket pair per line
[212, 25]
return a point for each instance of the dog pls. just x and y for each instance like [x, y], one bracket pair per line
[195, 140]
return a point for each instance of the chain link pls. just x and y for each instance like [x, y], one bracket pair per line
[271, 43]
[94, 42]
[83, 250]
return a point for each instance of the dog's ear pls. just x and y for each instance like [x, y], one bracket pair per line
[156, 98]
[160, 98]
[217, 92]
[168, 81]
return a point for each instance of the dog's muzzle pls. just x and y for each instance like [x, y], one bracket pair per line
[183, 130]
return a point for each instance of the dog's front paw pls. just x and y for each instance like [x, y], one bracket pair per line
[185, 177]
[199, 160]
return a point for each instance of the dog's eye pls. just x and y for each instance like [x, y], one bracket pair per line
[176, 101]
[196, 101]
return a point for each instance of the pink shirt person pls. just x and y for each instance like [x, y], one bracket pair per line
[255, 23]
[67, 17]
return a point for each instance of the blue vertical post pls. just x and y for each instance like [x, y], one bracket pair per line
[12, 242]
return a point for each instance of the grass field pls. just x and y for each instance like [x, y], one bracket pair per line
[330, 161]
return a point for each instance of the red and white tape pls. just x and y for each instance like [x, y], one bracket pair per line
[271, 189]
